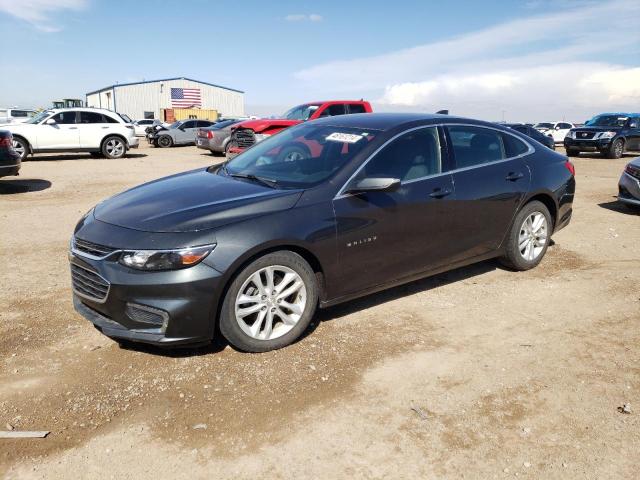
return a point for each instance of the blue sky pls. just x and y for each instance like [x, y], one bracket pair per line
[524, 59]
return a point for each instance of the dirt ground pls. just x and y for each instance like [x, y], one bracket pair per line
[476, 373]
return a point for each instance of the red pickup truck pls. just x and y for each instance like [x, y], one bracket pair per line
[250, 132]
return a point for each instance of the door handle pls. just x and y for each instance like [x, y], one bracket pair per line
[73, 128]
[440, 192]
[513, 176]
[104, 128]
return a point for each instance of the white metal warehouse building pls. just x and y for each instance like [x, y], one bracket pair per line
[148, 99]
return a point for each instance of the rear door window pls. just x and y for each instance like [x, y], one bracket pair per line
[356, 108]
[475, 145]
[92, 117]
[333, 110]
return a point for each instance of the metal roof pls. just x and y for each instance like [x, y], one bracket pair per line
[162, 80]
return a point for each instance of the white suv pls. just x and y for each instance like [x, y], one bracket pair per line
[555, 130]
[93, 130]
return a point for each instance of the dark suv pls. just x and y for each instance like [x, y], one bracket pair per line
[611, 134]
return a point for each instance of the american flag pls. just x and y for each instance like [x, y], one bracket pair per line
[185, 97]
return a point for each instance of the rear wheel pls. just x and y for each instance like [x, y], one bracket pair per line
[616, 149]
[164, 141]
[114, 147]
[270, 303]
[21, 147]
[529, 237]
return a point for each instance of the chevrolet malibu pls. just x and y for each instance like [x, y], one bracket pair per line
[252, 247]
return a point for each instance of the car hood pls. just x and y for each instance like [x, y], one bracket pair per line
[267, 124]
[192, 201]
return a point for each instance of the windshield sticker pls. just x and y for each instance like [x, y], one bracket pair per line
[344, 137]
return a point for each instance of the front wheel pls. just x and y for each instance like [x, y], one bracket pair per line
[616, 150]
[572, 152]
[21, 147]
[164, 141]
[270, 303]
[114, 147]
[529, 237]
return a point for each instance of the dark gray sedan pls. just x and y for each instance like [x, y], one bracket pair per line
[216, 137]
[629, 184]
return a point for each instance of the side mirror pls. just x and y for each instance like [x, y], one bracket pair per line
[50, 121]
[557, 127]
[633, 124]
[375, 185]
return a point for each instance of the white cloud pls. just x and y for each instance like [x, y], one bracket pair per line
[549, 62]
[300, 17]
[39, 12]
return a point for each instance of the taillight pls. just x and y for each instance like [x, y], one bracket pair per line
[209, 134]
[570, 167]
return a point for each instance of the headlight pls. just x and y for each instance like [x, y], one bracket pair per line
[165, 259]
[261, 136]
[608, 134]
[571, 134]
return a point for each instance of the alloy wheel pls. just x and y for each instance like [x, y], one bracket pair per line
[19, 148]
[270, 302]
[115, 148]
[533, 236]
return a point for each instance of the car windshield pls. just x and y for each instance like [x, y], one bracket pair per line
[299, 157]
[125, 117]
[301, 112]
[607, 121]
[39, 117]
[175, 124]
[543, 125]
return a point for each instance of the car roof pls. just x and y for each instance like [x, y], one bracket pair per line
[626, 114]
[387, 121]
[81, 109]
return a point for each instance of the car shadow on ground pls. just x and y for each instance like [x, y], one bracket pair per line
[619, 207]
[76, 156]
[334, 313]
[9, 187]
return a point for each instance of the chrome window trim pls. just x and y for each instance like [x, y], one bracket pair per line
[530, 150]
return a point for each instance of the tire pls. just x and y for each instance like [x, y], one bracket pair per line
[297, 151]
[616, 149]
[164, 141]
[531, 255]
[573, 152]
[114, 147]
[21, 146]
[261, 308]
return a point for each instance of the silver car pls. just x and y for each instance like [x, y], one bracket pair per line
[629, 184]
[182, 132]
[216, 137]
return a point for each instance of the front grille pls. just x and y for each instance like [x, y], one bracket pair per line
[244, 137]
[89, 284]
[92, 249]
[584, 135]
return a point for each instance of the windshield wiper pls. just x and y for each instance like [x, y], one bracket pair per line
[250, 176]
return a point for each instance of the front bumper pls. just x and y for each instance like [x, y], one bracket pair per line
[629, 189]
[587, 145]
[183, 302]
